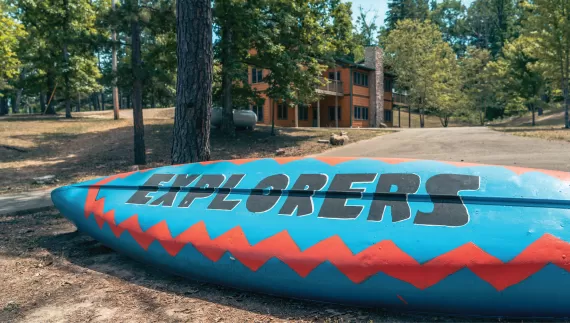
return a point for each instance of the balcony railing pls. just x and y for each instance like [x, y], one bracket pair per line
[400, 99]
[332, 87]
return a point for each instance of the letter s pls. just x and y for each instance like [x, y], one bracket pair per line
[448, 208]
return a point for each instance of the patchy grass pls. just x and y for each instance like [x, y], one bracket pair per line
[52, 273]
[542, 132]
[93, 145]
[552, 117]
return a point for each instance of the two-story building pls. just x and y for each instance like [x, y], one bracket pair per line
[360, 92]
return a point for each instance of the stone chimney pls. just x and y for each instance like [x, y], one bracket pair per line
[374, 58]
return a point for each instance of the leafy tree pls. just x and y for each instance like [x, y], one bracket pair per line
[426, 67]
[11, 31]
[548, 26]
[59, 46]
[523, 81]
[490, 23]
[446, 96]
[449, 16]
[406, 9]
[159, 52]
[478, 83]
[294, 46]
[366, 29]
[340, 30]
[237, 23]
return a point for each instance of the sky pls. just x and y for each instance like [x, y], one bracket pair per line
[379, 6]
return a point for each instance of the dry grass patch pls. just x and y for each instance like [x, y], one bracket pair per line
[93, 145]
[542, 132]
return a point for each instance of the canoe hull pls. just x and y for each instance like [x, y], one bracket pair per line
[414, 251]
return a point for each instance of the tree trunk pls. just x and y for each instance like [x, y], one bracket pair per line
[102, 94]
[152, 101]
[3, 105]
[272, 118]
[66, 61]
[115, 89]
[50, 95]
[14, 104]
[93, 102]
[17, 101]
[78, 106]
[139, 146]
[129, 97]
[409, 116]
[399, 117]
[227, 126]
[336, 105]
[533, 115]
[121, 105]
[191, 137]
[42, 102]
[566, 102]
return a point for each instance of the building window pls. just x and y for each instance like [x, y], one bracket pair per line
[360, 113]
[387, 115]
[388, 85]
[303, 112]
[258, 109]
[361, 79]
[282, 112]
[331, 76]
[256, 75]
[331, 113]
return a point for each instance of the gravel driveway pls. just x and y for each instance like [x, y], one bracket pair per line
[476, 145]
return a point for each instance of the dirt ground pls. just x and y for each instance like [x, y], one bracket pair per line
[49, 272]
[92, 145]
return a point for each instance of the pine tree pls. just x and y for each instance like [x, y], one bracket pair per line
[406, 9]
[191, 136]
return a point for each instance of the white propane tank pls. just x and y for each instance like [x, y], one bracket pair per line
[242, 118]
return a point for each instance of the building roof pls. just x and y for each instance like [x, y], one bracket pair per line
[359, 65]
[349, 63]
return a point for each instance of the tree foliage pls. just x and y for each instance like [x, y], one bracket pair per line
[426, 67]
[11, 32]
[478, 84]
[490, 23]
[548, 26]
[449, 16]
[406, 9]
[295, 47]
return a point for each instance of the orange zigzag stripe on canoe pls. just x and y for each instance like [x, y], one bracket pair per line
[384, 256]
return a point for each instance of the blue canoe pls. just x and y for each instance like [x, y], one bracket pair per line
[416, 235]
